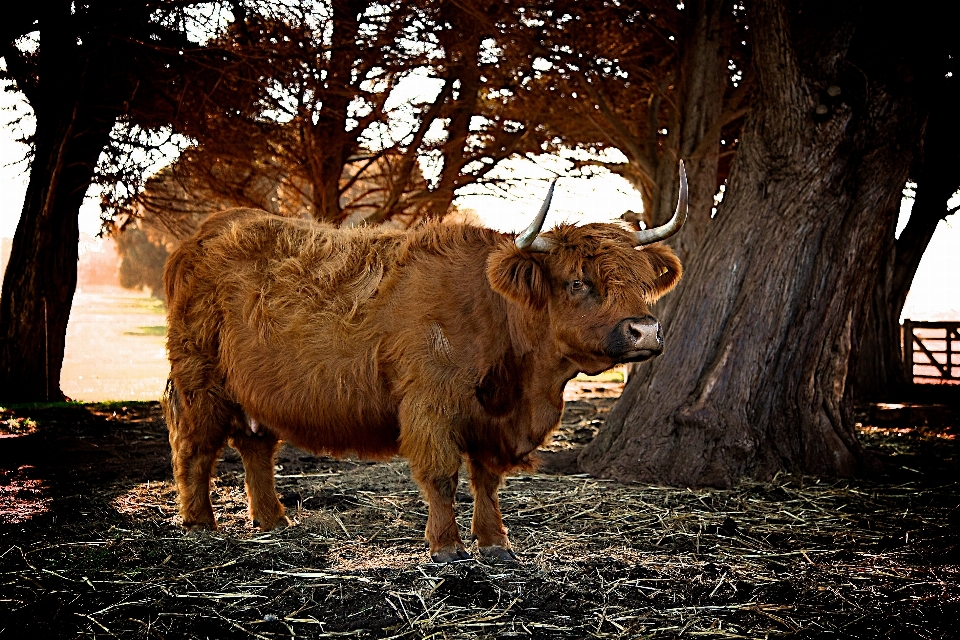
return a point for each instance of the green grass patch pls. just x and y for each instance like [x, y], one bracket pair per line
[113, 405]
[610, 375]
[158, 330]
[147, 304]
[28, 406]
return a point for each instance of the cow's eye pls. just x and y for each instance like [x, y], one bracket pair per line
[577, 285]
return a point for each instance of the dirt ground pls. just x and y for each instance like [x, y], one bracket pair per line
[90, 544]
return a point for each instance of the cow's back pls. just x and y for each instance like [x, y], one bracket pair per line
[280, 315]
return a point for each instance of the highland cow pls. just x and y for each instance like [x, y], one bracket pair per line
[441, 343]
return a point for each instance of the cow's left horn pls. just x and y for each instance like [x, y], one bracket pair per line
[530, 238]
[649, 236]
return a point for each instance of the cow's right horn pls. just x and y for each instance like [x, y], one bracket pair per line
[530, 238]
[649, 236]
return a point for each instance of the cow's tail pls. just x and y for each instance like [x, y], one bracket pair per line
[175, 273]
[172, 405]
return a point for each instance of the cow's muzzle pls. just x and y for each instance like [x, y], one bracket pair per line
[635, 340]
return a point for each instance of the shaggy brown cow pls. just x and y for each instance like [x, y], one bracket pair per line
[439, 343]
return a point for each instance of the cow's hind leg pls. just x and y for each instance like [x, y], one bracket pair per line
[487, 523]
[197, 435]
[257, 452]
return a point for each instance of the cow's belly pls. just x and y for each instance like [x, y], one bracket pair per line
[355, 417]
[368, 436]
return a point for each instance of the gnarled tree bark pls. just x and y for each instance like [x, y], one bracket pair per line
[42, 274]
[754, 378]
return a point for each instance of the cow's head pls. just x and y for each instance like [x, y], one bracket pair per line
[591, 285]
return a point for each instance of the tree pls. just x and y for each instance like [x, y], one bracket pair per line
[650, 80]
[335, 117]
[755, 377]
[141, 261]
[101, 62]
[881, 372]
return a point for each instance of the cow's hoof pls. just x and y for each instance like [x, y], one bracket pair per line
[498, 554]
[443, 557]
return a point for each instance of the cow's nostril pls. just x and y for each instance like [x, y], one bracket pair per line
[644, 333]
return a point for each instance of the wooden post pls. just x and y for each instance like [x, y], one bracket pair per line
[949, 352]
[906, 336]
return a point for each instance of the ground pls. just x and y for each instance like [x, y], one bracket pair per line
[90, 544]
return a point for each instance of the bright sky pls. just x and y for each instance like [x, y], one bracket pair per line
[935, 294]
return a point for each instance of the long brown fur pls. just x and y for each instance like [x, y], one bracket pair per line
[438, 343]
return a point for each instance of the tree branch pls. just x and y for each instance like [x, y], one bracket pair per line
[732, 111]
[409, 159]
[623, 137]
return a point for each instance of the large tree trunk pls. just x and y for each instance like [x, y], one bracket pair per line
[753, 380]
[76, 102]
[880, 371]
[42, 274]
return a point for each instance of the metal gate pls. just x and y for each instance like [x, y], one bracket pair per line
[931, 351]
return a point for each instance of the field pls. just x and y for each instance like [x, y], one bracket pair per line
[90, 546]
[115, 346]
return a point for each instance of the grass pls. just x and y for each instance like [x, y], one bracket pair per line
[34, 406]
[112, 405]
[611, 375]
[157, 330]
[147, 304]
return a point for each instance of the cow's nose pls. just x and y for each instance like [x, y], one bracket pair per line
[643, 334]
[635, 340]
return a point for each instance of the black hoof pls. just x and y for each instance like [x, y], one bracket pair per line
[498, 554]
[443, 557]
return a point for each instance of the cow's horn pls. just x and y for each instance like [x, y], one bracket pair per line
[530, 238]
[649, 236]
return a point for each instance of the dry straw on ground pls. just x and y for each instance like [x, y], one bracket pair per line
[796, 557]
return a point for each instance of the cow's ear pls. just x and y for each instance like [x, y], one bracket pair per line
[518, 276]
[666, 268]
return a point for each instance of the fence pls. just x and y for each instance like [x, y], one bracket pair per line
[931, 351]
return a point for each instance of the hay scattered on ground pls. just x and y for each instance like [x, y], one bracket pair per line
[794, 557]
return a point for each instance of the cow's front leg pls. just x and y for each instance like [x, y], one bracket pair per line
[258, 453]
[427, 444]
[442, 531]
[487, 520]
[426, 441]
